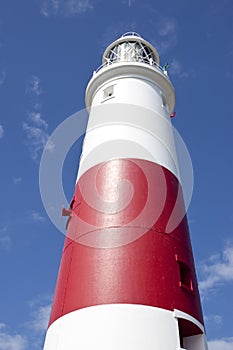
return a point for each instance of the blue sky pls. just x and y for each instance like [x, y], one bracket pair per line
[48, 51]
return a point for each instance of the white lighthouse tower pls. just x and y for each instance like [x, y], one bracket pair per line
[127, 277]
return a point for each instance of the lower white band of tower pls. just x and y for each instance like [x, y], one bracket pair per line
[124, 327]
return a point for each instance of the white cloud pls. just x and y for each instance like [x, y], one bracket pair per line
[36, 127]
[1, 131]
[2, 77]
[37, 217]
[65, 7]
[176, 68]
[38, 120]
[17, 180]
[129, 3]
[168, 27]
[34, 85]
[221, 344]
[11, 341]
[41, 308]
[37, 138]
[41, 318]
[33, 329]
[218, 269]
[217, 319]
[216, 7]
[167, 34]
[5, 240]
[5, 243]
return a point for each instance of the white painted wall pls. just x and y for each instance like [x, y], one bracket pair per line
[132, 123]
[114, 327]
[121, 327]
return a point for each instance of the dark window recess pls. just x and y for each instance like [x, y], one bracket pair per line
[72, 202]
[185, 276]
[181, 335]
[187, 330]
[108, 92]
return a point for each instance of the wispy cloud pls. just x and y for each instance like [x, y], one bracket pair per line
[35, 127]
[217, 319]
[34, 85]
[129, 3]
[5, 240]
[221, 344]
[37, 138]
[10, 341]
[229, 70]
[217, 270]
[37, 217]
[177, 69]
[1, 131]
[38, 323]
[41, 318]
[167, 34]
[36, 118]
[65, 7]
[5, 243]
[168, 27]
[17, 180]
[2, 77]
[216, 7]
[32, 331]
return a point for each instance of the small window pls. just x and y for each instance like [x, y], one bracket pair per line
[185, 276]
[108, 92]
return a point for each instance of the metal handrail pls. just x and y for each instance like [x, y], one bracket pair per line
[152, 63]
[131, 34]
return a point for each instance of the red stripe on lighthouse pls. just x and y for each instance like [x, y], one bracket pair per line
[122, 252]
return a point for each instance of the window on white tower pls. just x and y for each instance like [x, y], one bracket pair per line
[108, 92]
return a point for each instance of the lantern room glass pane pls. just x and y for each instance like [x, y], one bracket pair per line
[131, 52]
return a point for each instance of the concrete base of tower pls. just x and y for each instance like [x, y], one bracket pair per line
[125, 326]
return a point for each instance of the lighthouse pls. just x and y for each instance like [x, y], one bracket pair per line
[127, 277]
